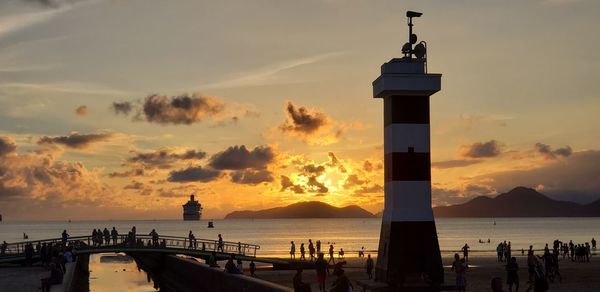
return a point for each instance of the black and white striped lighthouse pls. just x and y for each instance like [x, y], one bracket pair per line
[408, 246]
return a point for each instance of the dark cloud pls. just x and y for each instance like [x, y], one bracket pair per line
[316, 186]
[238, 157]
[548, 153]
[53, 3]
[81, 110]
[353, 180]
[7, 145]
[287, 184]
[334, 161]
[194, 174]
[129, 173]
[251, 177]
[481, 149]
[76, 140]
[303, 120]
[454, 163]
[183, 109]
[375, 188]
[124, 107]
[134, 185]
[164, 158]
[367, 166]
[313, 170]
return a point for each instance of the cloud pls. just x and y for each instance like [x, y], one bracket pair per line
[134, 185]
[129, 173]
[7, 145]
[81, 110]
[194, 174]
[238, 158]
[36, 177]
[287, 184]
[165, 158]
[454, 163]
[251, 177]
[121, 107]
[316, 186]
[183, 109]
[481, 149]
[53, 3]
[76, 140]
[548, 153]
[310, 125]
[303, 120]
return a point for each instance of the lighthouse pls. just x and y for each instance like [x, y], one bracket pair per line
[408, 246]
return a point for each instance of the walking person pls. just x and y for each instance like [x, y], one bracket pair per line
[369, 266]
[331, 259]
[512, 274]
[458, 266]
[65, 237]
[220, 243]
[321, 269]
[192, 240]
[311, 250]
[593, 244]
[302, 252]
[292, 250]
[465, 250]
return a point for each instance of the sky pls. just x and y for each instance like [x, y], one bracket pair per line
[122, 109]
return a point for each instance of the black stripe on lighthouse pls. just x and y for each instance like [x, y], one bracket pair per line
[406, 110]
[407, 166]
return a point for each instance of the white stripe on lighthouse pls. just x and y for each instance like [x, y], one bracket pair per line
[407, 201]
[399, 137]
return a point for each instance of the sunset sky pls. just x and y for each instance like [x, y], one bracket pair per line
[120, 109]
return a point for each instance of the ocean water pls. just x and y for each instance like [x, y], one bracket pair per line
[274, 236]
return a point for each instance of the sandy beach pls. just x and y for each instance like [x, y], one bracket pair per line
[576, 276]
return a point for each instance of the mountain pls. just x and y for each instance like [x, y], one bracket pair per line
[519, 202]
[310, 209]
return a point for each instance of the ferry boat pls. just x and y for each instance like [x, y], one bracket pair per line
[192, 210]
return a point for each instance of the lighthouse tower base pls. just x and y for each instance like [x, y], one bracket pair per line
[409, 254]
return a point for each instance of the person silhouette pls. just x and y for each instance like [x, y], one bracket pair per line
[292, 250]
[369, 266]
[331, 259]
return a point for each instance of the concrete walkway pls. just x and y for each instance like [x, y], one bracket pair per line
[22, 279]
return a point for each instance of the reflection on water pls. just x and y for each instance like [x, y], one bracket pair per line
[117, 272]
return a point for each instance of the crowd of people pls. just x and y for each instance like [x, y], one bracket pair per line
[315, 249]
[542, 269]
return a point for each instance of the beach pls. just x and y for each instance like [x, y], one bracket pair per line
[577, 276]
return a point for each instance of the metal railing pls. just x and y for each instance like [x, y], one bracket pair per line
[124, 242]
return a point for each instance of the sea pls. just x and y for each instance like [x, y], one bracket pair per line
[274, 236]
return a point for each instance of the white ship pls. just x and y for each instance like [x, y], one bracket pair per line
[192, 210]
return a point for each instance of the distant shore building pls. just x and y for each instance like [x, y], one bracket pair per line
[192, 210]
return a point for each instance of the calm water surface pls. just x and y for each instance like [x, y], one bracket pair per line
[109, 276]
[274, 236]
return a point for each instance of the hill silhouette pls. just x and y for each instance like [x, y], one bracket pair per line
[518, 202]
[312, 209]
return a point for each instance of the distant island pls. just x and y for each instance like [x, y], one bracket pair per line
[519, 202]
[312, 209]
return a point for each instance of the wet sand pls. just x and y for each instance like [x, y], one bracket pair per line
[576, 276]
